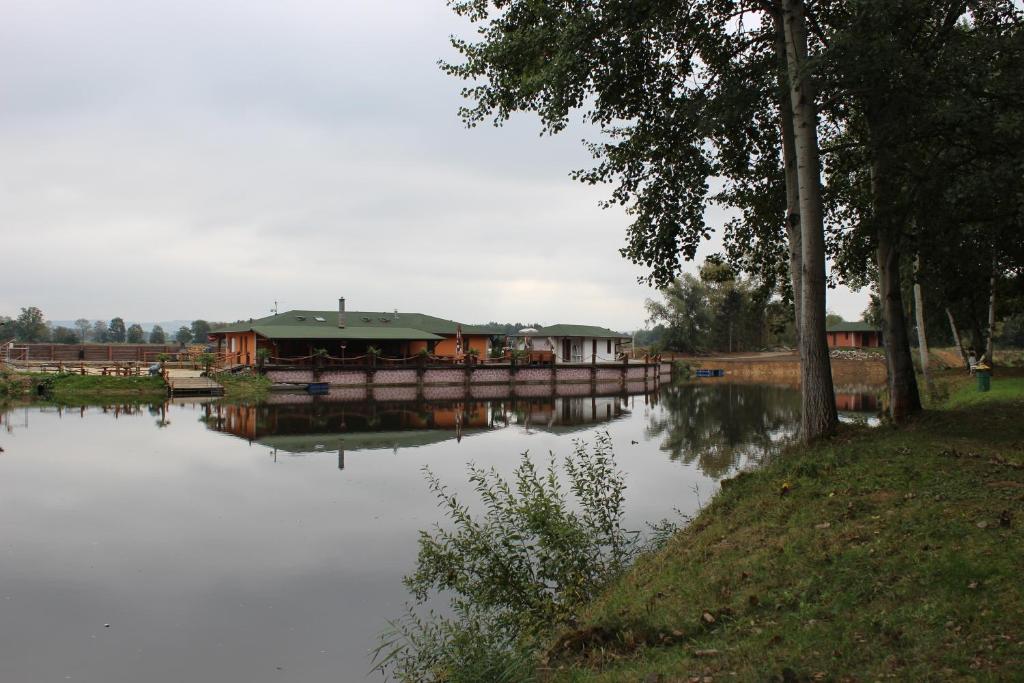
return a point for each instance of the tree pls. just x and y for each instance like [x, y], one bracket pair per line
[100, 334]
[719, 311]
[6, 327]
[832, 318]
[663, 82]
[83, 327]
[819, 416]
[157, 335]
[63, 335]
[116, 331]
[31, 326]
[183, 335]
[135, 334]
[200, 331]
[927, 136]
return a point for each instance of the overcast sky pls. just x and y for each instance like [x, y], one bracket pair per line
[205, 158]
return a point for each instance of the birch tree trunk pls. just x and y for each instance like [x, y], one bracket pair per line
[790, 174]
[818, 399]
[956, 338]
[922, 337]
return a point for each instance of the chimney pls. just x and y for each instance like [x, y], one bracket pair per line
[341, 312]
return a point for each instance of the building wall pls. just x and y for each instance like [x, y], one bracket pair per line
[446, 347]
[606, 349]
[239, 347]
[853, 339]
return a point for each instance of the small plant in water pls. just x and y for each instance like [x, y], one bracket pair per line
[512, 574]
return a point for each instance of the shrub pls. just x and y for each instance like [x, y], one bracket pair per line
[513, 574]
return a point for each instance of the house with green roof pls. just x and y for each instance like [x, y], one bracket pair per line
[853, 335]
[297, 335]
[573, 343]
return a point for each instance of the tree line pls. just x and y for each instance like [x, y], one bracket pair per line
[885, 136]
[31, 326]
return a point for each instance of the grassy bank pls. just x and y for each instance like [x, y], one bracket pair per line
[72, 389]
[886, 553]
[79, 389]
[244, 387]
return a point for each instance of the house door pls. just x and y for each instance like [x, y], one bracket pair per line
[566, 350]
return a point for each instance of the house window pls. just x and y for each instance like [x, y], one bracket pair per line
[609, 346]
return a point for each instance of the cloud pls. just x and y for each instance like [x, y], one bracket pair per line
[200, 159]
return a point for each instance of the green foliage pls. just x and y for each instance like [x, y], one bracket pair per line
[157, 335]
[206, 360]
[83, 327]
[30, 326]
[373, 352]
[100, 334]
[524, 566]
[64, 335]
[116, 331]
[183, 335]
[873, 313]
[200, 331]
[718, 312]
[135, 334]
[1013, 331]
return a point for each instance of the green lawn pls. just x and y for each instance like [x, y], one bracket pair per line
[76, 389]
[881, 554]
[244, 387]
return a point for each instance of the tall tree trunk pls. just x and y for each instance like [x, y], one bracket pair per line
[956, 338]
[889, 224]
[922, 337]
[989, 343]
[818, 398]
[790, 173]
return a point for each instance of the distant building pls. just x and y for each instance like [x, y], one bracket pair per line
[853, 335]
[573, 343]
[299, 334]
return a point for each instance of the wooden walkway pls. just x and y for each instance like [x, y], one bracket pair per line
[191, 383]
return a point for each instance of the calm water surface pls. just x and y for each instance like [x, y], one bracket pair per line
[215, 542]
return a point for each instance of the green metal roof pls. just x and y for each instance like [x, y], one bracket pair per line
[852, 327]
[365, 325]
[574, 331]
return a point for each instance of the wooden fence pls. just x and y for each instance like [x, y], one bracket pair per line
[141, 353]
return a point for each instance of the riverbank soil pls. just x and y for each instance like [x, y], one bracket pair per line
[881, 554]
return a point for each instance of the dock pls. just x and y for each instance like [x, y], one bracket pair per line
[191, 383]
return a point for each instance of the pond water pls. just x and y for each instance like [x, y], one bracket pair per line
[216, 542]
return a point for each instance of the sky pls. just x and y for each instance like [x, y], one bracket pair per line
[204, 159]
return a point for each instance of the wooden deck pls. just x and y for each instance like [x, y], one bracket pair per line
[191, 383]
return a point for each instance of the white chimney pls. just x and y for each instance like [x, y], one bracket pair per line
[341, 312]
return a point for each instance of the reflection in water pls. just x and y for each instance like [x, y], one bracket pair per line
[722, 426]
[304, 427]
[160, 521]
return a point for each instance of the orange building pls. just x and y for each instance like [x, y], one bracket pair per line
[300, 335]
[853, 335]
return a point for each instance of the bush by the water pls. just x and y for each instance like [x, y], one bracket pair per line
[513, 574]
